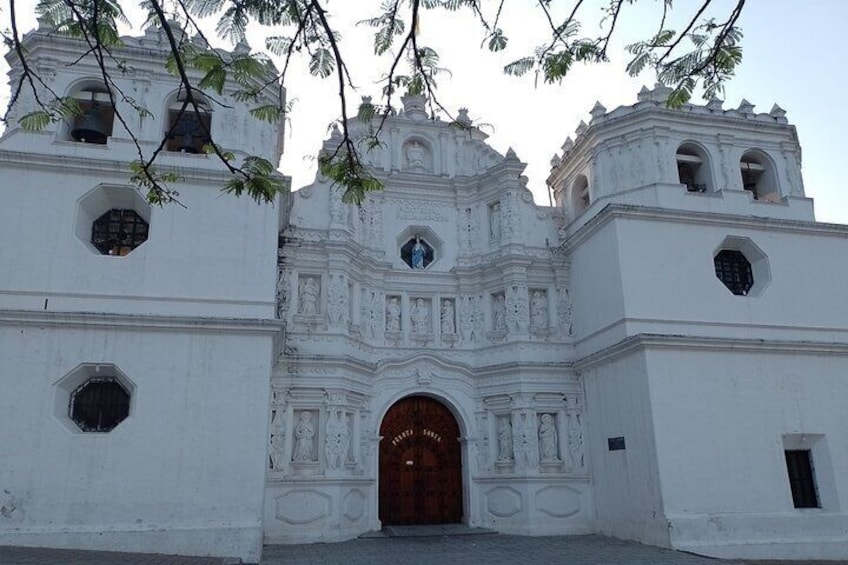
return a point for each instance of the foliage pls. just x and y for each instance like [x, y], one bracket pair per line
[703, 55]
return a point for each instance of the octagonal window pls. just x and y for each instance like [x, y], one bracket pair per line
[117, 232]
[417, 253]
[112, 220]
[99, 404]
[734, 270]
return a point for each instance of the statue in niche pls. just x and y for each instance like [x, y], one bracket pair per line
[416, 156]
[337, 440]
[495, 221]
[393, 315]
[504, 440]
[309, 292]
[575, 439]
[304, 433]
[337, 301]
[538, 311]
[548, 438]
[418, 251]
[419, 316]
[448, 324]
[499, 314]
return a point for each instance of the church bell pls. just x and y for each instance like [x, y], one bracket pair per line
[89, 127]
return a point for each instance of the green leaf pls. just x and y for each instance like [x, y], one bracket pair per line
[36, 121]
[556, 65]
[519, 67]
[322, 63]
[497, 41]
[270, 113]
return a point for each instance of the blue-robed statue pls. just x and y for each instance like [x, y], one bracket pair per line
[418, 251]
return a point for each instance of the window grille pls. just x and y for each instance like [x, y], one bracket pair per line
[734, 270]
[117, 232]
[99, 404]
[799, 465]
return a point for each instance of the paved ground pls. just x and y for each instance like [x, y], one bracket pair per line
[493, 549]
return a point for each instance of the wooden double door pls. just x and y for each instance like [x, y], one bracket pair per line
[420, 464]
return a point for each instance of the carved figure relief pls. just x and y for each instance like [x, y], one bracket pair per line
[495, 221]
[304, 433]
[499, 313]
[310, 292]
[393, 312]
[417, 156]
[419, 315]
[539, 310]
[548, 450]
[337, 440]
[337, 301]
[447, 317]
[505, 446]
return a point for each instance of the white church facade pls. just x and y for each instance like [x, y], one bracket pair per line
[660, 356]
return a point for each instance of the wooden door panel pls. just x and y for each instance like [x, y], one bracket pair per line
[420, 464]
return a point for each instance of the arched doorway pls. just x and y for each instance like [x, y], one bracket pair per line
[420, 464]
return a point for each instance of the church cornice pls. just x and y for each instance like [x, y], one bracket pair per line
[142, 322]
[613, 211]
[660, 341]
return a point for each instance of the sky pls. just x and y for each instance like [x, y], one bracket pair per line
[794, 55]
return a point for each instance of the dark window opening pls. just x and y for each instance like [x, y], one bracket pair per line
[734, 270]
[686, 174]
[94, 123]
[99, 405]
[189, 131]
[117, 232]
[799, 466]
[417, 257]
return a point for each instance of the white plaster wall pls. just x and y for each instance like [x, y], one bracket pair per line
[183, 474]
[720, 416]
[626, 482]
[596, 284]
[669, 283]
[214, 257]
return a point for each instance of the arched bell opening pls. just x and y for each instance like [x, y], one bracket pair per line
[189, 126]
[420, 479]
[94, 120]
